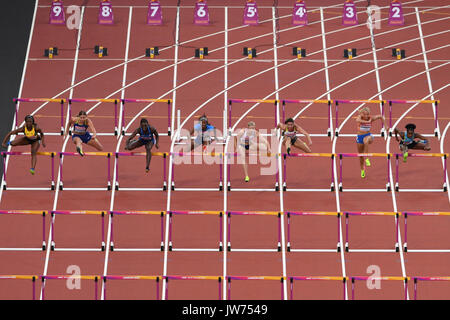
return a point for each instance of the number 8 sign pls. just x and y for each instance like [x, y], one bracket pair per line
[349, 17]
[251, 13]
[105, 13]
[201, 13]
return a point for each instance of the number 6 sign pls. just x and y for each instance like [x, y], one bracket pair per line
[57, 13]
[396, 14]
[349, 15]
[201, 13]
[105, 13]
[251, 13]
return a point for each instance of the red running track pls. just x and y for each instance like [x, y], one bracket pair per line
[198, 87]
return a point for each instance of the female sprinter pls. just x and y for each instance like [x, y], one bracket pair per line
[247, 139]
[203, 132]
[290, 130]
[364, 137]
[411, 140]
[33, 135]
[148, 136]
[80, 135]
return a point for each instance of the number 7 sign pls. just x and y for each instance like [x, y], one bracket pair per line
[251, 13]
[201, 13]
[154, 16]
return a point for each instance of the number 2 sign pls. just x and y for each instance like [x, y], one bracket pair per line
[201, 13]
[105, 13]
[251, 13]
[349, 17]
[57, 13]
[396, 14]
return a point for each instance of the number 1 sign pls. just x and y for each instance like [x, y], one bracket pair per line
[251, 13]
[154, 16]
[201, 13]
[396, 14]
[299, 15]
[105, 13]
[57, 13]
[349, 14]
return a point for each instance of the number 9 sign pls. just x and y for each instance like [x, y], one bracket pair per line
[105, 13]
[251, 13]
[57, 13]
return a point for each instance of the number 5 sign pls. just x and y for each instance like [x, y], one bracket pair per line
[201, 14]
[105, 13]
[57, 13]
[251, 13]
[396, 14]
[349, 14]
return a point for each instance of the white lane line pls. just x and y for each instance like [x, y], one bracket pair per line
[113, 185]
[225, 170]
[430, 85]
[327, 77]
[24, 71]
[175, 71]
[55, 201]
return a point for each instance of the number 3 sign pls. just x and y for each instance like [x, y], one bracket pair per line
[349, 15]
[105, 13]
[201, 13]
[251, 13]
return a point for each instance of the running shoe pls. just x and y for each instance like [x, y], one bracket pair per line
[363, 173]
[367, 163]
[405, 156]
[32, 171]
[147, 170]
[288, 151]
[247, 178]
[80, 151]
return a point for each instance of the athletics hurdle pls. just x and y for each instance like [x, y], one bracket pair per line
[46, 100]
[319, 278]
[30, 212]
[169, 117]
[135, 213]
[229, 278]
[309, 101]
[102, 154]
[230, 103]
[307, 155]
[304, 213]
[115, 101]
[218, 213]
[14, 153]
[71, 278]
[217, 278]
[373, 278]
[163, 154]
[416, 280]
[196, 154]
[238, 156]
[348, 214]
[352, 155]
[254, 213]
[71, 213]
[337, 102]
[422, 214]
[20, 277]
[422, 155]
[433, 102]
[156, 278]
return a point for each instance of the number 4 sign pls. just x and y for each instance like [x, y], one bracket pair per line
[105, 13]
[251, 13]
[154, 16]
[201, 13]
[396, 14]
[349, 14]
[57, 13]
[299, 15]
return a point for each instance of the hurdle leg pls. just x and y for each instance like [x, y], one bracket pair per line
[353, 288]
[336, 120]
[329, 119]
[390, 118]
[104, 288]
[445, 173]
[43, 287]
[220, 288]
[221, 232]
[338, 232]
[388, 184]
[396, 172]
[277, 187]
[229, 231]
[229, 289]
[436, 130]
[340, 172]
[173, 177]
[109, 172]
[167, 288]
[405, 245]
[229, 174]
[292, 288]
[96, 288]
[165, 172]
[169, 119]
[61, 184]
[103, 232]
[383, 129]
[111, 245]
[346, 232]
[16, 114]
[52, 186]
[220, 173]
[170, 230]
[415, 288]
[43, 232]
[229, 116]
[282, 291]
[344, 287]
[123, 117]
[288, 232]
[396, 232]
[406, 288]
[34, 287]
[279, 232]
[4, 171]
[52, 227]
[332, 173]
[62, 117]
[284, 172]
[162, 231]
[157, 288]
[116, 126]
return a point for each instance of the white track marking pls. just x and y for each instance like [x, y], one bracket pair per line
[175, 72]
[55, 201]
[113, 184]
[327, 77]
[430, 85]
[225, 188]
